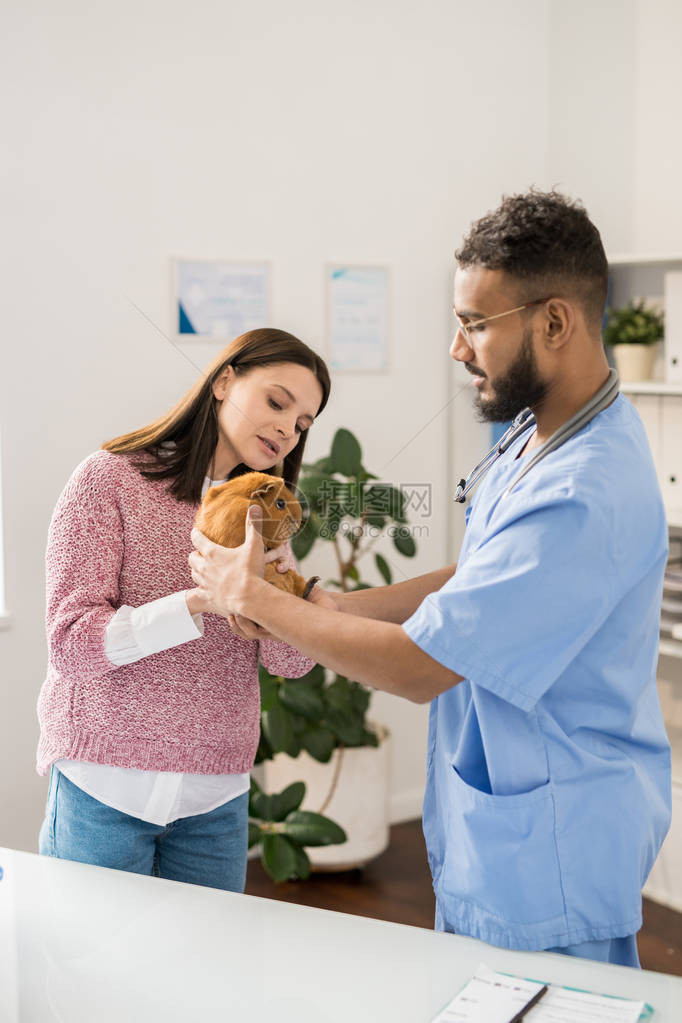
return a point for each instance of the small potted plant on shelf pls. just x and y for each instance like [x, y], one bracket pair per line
[314, 730]
[633, 332]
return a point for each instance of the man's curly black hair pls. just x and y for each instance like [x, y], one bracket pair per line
[547, 242]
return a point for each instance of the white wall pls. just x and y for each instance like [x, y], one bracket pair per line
[592, 145]
[615, 85]
[298, 133]
[657, 201]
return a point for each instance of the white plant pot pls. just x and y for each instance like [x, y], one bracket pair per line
[359, 778]
[634, 362]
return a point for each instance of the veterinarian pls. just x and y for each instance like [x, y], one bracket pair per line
[149, 715]
[548, 767]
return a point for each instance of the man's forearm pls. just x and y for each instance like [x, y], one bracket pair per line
[395, 603]
[380, 654]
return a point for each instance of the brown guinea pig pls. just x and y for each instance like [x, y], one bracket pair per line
[222, 518]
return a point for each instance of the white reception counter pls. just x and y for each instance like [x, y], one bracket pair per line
[80, 943]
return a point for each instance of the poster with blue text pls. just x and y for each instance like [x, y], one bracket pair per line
[218, 300]
[358, 317]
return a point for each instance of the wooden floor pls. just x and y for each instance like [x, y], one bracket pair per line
[397, 887]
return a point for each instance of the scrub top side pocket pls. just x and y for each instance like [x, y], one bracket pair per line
[501, 853]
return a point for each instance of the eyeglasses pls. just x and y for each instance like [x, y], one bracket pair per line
[474, 324]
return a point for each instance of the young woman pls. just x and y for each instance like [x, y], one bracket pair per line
[149, 714]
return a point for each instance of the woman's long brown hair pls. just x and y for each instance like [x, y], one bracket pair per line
[180, 445]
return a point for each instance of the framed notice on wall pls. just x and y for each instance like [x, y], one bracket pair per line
[358, 304]
[217, 300]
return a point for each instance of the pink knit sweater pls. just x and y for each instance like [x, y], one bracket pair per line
[117, 538]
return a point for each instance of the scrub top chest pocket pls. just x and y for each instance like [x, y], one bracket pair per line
[501, 853]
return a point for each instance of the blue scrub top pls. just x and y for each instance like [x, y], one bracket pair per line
[548, 772]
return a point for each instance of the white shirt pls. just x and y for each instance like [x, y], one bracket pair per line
[155, 796]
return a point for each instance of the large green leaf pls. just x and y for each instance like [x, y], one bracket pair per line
[254, 833]
[383, 499]
[294, 747]
[264, 751]
[382, 565]
[302, 698]
[278, 728]
[317, 491]
[347, 727]
[279, 857]
[398, 505]
[302, 863]
[346, 454]
[313, 829]
[260, 805]
[346, 497]
[404, 542]
[331, 522]
[303, 542]
[287, 800]
[370, 738]
[359, 697]
[269, 684]
[319, 743]
[338, 694]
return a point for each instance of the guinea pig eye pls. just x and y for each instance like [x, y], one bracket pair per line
[280, 503]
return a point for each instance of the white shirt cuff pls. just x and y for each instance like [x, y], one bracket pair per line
[137, 632]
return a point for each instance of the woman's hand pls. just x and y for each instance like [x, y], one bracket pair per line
[246, 629]
[282, 555]
[197, 601]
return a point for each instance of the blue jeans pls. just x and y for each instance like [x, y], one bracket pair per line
[208, 849]
[622, 951]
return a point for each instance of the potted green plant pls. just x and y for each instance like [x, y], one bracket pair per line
[315, 729]
[633, 332]
[282, 830]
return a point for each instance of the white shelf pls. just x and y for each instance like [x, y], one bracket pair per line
[644, 258]
[670, 647]
[651, 387]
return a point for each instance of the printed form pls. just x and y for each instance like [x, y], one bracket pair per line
[491, 997]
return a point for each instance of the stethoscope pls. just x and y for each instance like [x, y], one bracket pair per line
[524, 421]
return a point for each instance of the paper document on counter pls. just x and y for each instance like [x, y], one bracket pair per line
[491, 997]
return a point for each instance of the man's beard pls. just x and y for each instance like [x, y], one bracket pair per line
[520, 387]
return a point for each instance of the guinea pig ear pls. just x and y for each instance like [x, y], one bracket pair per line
[265, 489]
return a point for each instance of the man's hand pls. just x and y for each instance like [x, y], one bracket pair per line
[228, 578]
[322, 598]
